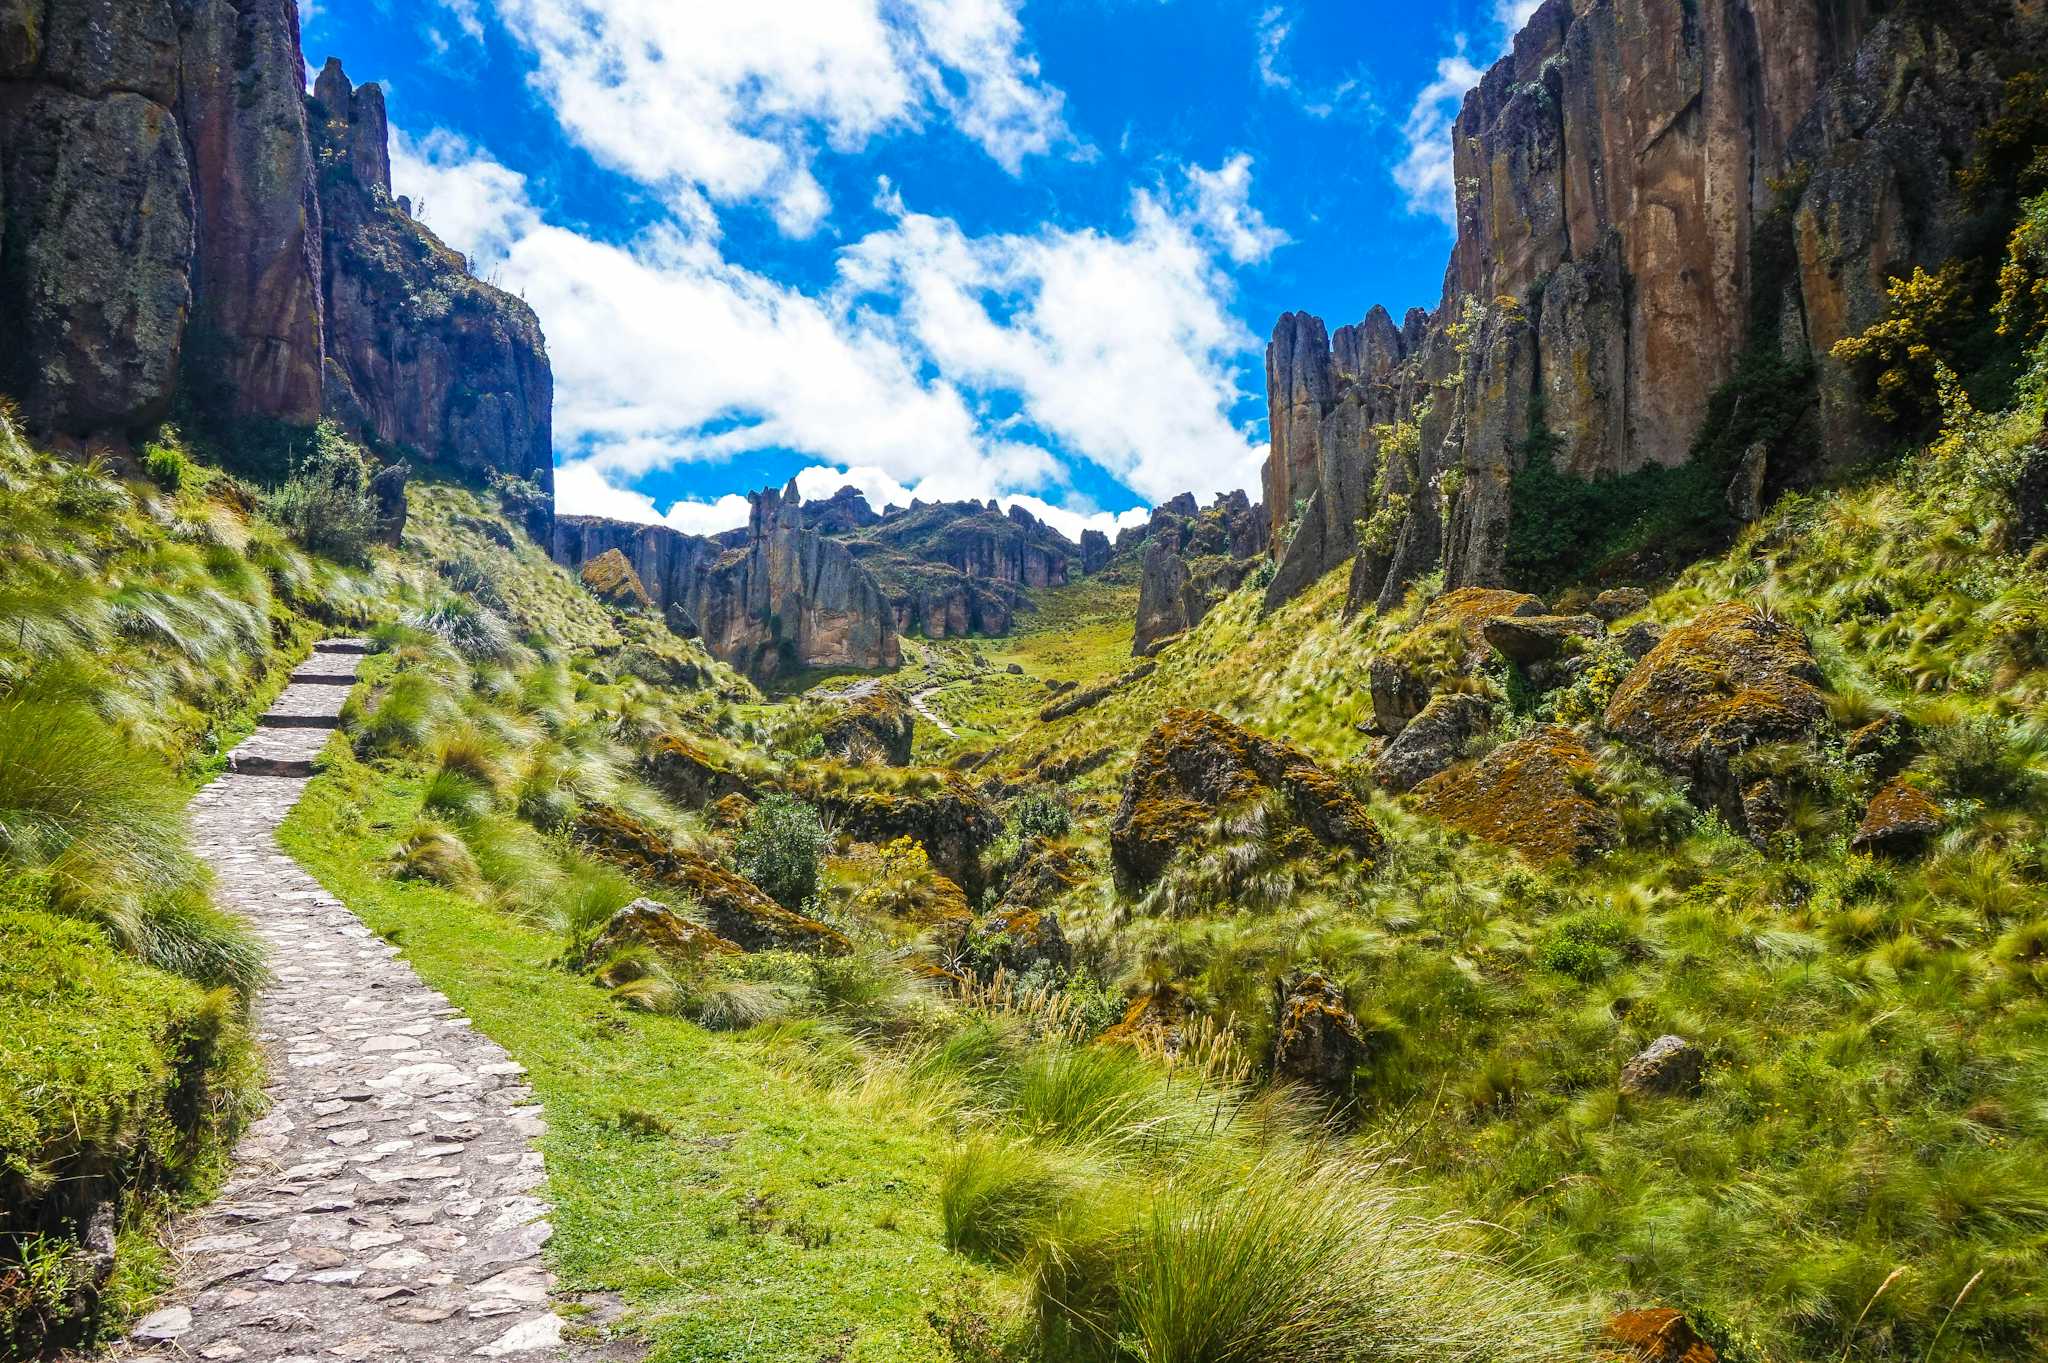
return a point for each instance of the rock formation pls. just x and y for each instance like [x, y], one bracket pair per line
[1643, 192]
[177, 216]
[1193, 559]
[787, 598]
[952, 569]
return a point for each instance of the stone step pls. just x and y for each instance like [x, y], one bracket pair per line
[257, 764]
[310, 678]
[356, 647]
[276, 721]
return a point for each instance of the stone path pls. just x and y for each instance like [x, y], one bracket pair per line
[386, 1206]
[917, 703]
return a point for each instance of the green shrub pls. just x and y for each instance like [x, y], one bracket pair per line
[165, 464]
[781, 849]
[326, 505]
[1585, 946]
[1042, 814]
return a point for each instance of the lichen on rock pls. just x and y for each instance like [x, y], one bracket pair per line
[1534, 794]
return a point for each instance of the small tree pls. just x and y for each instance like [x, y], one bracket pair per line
[781, 849]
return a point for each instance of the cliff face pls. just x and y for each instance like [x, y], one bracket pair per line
[954, 568]
[1644, 189]
[787, 598]
[175, 213]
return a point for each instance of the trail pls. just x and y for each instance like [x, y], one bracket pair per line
[917, 704]
[386, 1206]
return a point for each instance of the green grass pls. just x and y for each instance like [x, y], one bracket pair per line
[743, 1211]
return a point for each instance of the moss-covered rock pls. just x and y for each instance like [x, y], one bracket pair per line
[877, 723]
[1195, 763]
[1901, 820]
[611, 579]
[1448, 641]
[654, 925]
[1015, 939]
[691, 774]
[1728, 681]
[944, 813]
[1658, 1335]
[1433, 741]
[1525, 640]
[736, 909]
[1534, 795]
[1153, 1022]
[1316, 1040]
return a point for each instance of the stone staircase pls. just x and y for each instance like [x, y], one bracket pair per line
[290, 736]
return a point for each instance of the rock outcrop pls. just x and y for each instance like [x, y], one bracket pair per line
[875, 724]
[953, 569]
[176, 216]
[1668, 1065]
[1193, 559]
[1643, 194]
[1530, 795]
[1195, 764]
[1316, 1040]
[787, 598]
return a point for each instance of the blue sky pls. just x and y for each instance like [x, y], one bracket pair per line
[940, 247]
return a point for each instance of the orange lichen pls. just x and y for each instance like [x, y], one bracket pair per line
[661, 929]
[1659, 1335]
[1900, 820]
[1530, 795]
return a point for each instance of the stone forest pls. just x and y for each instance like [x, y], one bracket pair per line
[1556, 871]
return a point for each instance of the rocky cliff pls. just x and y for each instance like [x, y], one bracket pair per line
[177, 216]
[1656, 203]
[956, 568]
[1193, 559]
[785, 599]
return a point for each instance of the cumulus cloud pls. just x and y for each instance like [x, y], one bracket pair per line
[710, 102]
[938, 359]
[1424, 171]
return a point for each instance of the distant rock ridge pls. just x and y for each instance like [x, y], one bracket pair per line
[785, 598]
[1642, 191]
[1193, 559]
[177, 215]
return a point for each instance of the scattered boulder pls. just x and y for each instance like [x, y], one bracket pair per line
[387, 490]
[1014, 939]
[1884, 745]
[736, 909]
[1433, 741]
[1195, 763]
[1153, 1022]
[1900, 821]
[878, 721]
[1525, 640]
[1447, 641]
[730, 814]
[1659, 1335]
[1618, 603]
[689, 775]
[1529, 795]
[1317, 1040]
[611, 579]
[652, 924]
[1073, 702]
[1668, 1065]
[1731, 679]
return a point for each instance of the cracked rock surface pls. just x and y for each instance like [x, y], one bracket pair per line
[388, 1204]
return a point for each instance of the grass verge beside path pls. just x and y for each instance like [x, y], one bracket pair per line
[740, 1212]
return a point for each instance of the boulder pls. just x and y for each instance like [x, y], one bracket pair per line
[1194, 764]
[939, 809]
[1016, 938]
[690, 775]
[1658, 1335]
[652, 924]
[611, 579]
[1447, 641]
[735, 908]
[1730, 680]
[1316, 1040]
[1095, 553]
[387, 489]
[1154, 1022]
[1618, 603]
[1530, 795]
[878, 722]
[1638, 639]
[1900, 821]
[1526, 640]
[1668, 1065]
[1433, 741]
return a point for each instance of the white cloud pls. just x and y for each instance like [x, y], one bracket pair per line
[928, 362]
[1351, 96]
[715, 102]
[1425, 172]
